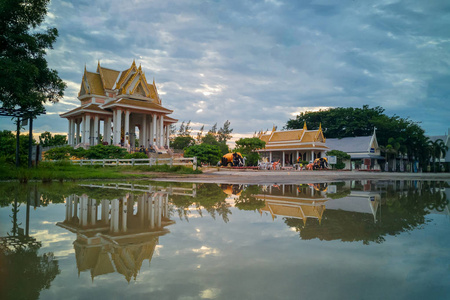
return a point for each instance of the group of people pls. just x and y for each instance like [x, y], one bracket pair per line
[318, 164]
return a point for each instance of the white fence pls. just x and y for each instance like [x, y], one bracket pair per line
[152, 161]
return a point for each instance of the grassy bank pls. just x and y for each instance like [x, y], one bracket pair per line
[63, 171]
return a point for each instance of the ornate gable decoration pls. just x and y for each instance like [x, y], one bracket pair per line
[320, 137]
[84, 89]
[132, 81]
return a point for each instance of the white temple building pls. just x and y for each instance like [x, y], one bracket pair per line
[122, 103]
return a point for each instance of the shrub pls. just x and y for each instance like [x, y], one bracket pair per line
[102, 151]
[136, 155]
[205, 153]
[58, 153]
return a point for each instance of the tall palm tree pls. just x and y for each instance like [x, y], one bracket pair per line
[438, 149]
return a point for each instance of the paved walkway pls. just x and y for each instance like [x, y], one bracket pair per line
[296, 177]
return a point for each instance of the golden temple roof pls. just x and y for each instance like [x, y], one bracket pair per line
[138, 104]
[127, 82]
[294, 139]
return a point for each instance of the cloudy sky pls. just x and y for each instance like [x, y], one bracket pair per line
[259, 63]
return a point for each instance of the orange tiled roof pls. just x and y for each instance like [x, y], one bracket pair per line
[139, 104]
[109, 77]
[294, 146]
[95, 83]
[288, 135]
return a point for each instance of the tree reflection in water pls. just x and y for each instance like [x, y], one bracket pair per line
[24, 273]
[208, 196]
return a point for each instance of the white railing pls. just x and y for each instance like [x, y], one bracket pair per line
[152, 161]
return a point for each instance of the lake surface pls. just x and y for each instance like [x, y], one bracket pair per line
[343, 240]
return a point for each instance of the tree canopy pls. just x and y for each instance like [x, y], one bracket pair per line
[26, 81]
[46, 139]
[247, 146]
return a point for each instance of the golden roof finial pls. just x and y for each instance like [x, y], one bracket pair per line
[304, 126]
[320, 126]
[274, 128]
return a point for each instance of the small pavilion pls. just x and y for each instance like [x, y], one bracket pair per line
[289, 145]
[123, 103]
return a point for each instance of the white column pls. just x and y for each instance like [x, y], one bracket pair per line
[159, 211]
[93, 211]
[95, 140]
[151, 136]
[69, 132]
[161, 131]
[296, 157]
[114, 225]
[127, 127]
[143, 132]
[107, 130]
[83, 130]
[168, 135]
[283, 158]
[154, 132]
[72, 130]
[84, 210]
[105, 211]
[312, 155]
[77, 135]
[87, 129]
[114, 127]
[124, 214]
[91, 130]
[118, 129]
[151, 212]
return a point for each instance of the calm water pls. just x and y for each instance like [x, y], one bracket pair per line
[345, 240]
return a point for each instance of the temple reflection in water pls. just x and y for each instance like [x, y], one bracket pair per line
[118, 234]
[309, 201]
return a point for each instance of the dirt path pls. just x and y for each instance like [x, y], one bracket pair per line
[295, 177]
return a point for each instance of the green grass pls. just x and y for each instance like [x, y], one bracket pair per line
[63, 171]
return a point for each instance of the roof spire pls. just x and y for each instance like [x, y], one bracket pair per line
[320, 126]
[304, 126]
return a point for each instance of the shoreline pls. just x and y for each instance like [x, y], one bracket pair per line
[295, 177]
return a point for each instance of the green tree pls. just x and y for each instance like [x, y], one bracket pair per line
[340, 157]
[26, 80]
[182, 142]
[213, 129]
[47, 140]
[209, 154]
[247, 147]
[437, 149]
[210, 139]
[8, 147]
[200, 135]
[224, 133]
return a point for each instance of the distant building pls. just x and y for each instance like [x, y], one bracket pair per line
[363, 150]
[289, 145]
[121, 102]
